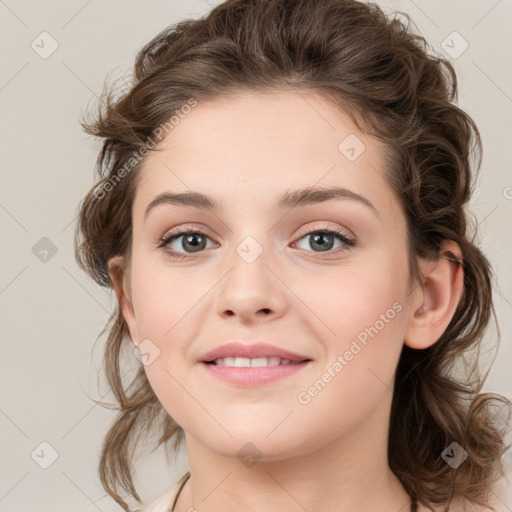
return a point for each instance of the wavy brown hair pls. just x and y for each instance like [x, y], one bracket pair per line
[377, 69]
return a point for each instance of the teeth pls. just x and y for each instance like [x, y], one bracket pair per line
[245, 362]
[260, 361]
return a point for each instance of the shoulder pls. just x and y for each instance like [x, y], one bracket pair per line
[164, 502]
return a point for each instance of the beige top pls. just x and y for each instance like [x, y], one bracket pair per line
[167, 501]
[503, 503]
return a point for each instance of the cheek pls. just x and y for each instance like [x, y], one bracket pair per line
[167, 309]
[163, 302]
[348, 300]
[164, 311]
[368, 318]
[364, 317]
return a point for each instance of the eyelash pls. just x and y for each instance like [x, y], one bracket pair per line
[348, 242]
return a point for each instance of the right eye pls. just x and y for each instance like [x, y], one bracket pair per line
[193, 241]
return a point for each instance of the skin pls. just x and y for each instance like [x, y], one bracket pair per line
[245, 150]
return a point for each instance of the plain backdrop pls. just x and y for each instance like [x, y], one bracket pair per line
[52, 312]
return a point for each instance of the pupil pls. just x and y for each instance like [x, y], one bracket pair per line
[190, 238]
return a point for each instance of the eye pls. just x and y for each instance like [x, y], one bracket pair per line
[324, 239]
[192, 241]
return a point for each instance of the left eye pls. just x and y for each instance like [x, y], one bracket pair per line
[324, 240]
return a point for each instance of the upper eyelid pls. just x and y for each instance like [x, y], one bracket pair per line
[344, 231]
[184, 231]
[303, 230]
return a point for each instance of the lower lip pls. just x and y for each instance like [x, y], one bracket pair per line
[254, 376]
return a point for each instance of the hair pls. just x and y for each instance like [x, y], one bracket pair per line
[374, 67]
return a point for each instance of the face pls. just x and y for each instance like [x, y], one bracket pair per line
[325, 278]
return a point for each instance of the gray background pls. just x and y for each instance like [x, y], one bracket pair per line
[52, 312]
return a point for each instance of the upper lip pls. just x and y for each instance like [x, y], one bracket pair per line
[253, 350]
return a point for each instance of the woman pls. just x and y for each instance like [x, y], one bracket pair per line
[281, 213]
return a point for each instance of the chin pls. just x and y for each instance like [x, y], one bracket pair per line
[250, 450]
[248, 441]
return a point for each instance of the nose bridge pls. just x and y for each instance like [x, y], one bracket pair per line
[250, 286]
[251, 243]
[248, 260]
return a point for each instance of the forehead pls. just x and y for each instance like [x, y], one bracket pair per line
[251, 144]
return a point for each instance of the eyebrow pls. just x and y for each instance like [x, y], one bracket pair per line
[289, 199]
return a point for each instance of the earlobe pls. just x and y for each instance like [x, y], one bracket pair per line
[438, 296]
[116, 270]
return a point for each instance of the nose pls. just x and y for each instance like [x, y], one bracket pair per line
[251, 290]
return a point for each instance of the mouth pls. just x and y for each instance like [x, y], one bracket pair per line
[254, 364]
[257, 362]
[245, 355]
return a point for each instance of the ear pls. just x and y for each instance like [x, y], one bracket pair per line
[435, 299]
[121, 286]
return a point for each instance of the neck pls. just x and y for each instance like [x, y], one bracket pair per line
[350, 473]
